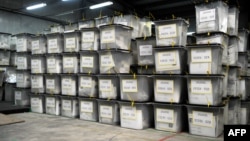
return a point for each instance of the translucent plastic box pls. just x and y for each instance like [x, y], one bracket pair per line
[37, 103]
[54, 43]
[53, 105]
[10, 75]
[38, 64]
[70, 107]
[70, 27]
[86, 24]
[9, 92]
[13, 58]
[13, 41]
[4, 57]
[169, 117]
[170, 60]
[205, 59]
[138, 116]
[233, 81]
[245, 112]
[88, 109]
[5, 40]
[243, 62]
[90, 39]
[205, 90]
[38, 44]
[71, 41]
[109, 112]
[234, 111]
[233, 21]
[2, 75]
[171, 32]
[138, 88]
[87, 85]
[205, 121]
[244, 87]
[53, 84]
[70, 63]
[145, 28]
[243, 42]
[172, 89]
[54, 63]
[23, 43]
[22, 97]
[145, 55]
[23, 61]
[103, 21]
[145, 69]
[115, 37]
[69, 84]
[108, 86]
[57, 29]
[112, 62]
[233, 47]
[225, 72]
[89, 62]
[211, 17]
[23, 79]
[37, 83]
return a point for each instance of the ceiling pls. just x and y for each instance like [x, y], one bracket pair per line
[73, 10]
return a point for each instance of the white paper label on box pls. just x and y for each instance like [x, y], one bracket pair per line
[129, 85]
[167, 58]
[165, 115]
[66, 105]
[50, 102]
[108, 36]
[105, 85]
[167, 31]
[201, 86]
[50, 84]
[18, 95]
[36, 65]
[19, 78]
[88, 37]
[70, 43]
[165, 86]
[35, 102]
[87, 106]
[21, 44]
[67, 83]
[68, 62]
[128, 112]
[52, 43]
[201, 55]
[146, 50]
[22, 63]
[35, 45]
[36, 82]
[203, 118]
[86, 82]
[107, 61]
[51, 63]
[87, 62]
[207, 15]
[106, 112]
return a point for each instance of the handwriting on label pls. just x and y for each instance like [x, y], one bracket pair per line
[18, 95]
[165, 86]
[66, 105]
[146, 50]
[51, 63]
[207, 15]
[86, 82]
[167, 58]
[68, 62]
[108, 36]
[70, 43]
[199, 86]
[107, 61]
[106, 111]
[52, 43]
[201, 55]
[88, 37]
[87, 62]
[35, 45]
[105, 85]
[165, 115]
[128, 112]
[167, 31]
[67, 83]
[50, 84]
[203, 118]
[87, 106]
[129, 85]
[50, 102]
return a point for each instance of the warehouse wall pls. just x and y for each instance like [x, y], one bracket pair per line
[16, 23]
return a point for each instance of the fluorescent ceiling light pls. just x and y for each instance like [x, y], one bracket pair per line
[101, 5]
[40, 5]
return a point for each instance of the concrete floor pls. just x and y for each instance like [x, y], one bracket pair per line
[42, 127]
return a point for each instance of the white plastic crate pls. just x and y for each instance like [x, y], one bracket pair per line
[54, 63]
[37, 83]
[108, 86]
[244, 87]
[69, 85]
[171, 89]
[22, 97]
[70, 107]
[243, 62]
[23, 43]
[245, 112]
[225, 72]
[233, 47]
[103, 21]
[145, 55]
[53, 83]
[138, 116]
[233, 81]
[205, 90]
[23, 61]
[13, 41]
[243, 42]
[38, 64]
[70, 63]
[71, 41]
[87, 85]
[171, 32]
[5, 40]
[38, 44]
[4, 57]
[89, 62]
[9, 92]
[54, 43]
[233, 21]
[88, 109]
[138, 88]
[13, 58]
[23, 79]
[57, 29]
[211, 17]
[90, 39]
[53, 105]
[86, 24]
[234, 111]
[37, 103]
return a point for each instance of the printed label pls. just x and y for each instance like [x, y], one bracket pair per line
[50, 102]
[86, 82]
[70, 43]
[35, 102]
[36, 65]
[88, 37]
[201, 55]
[21, 44]
[87, 62]
[201, 86]
[67, 83]
[108, 36]
[36, 82]
[18, 95]
[19, 77]
[165, 86]
[128, 112]
[87, 107]
[52, 43]
[107, 61]
[165, 115]
[35, 45]
[207, 15]
[167, 58]
[167, 31]
[105, 85]
[68, 62]
[146, 50]
[22, 62]
[51, 63]
[66, 105]
[203, 118]
[50, 84]
[106, 111]
[129, 85]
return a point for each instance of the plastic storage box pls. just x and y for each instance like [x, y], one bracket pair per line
[57, 29]
[137, 88]
[137, 116]
[86, 24]
[23, 61]
[70, 27]
[70, 63]
[172, 89]
[2, 75]
[243, 35]
[38, 44]
[13, 41]
[211, 17]
[234, 111]
[244, 87]
[89, 62]
[169, 117]
[10, 75]
[144, 69]
[22, 97]
[205, 121]
[103, 21]
[109, 112]
[145, 55]
[54, 63]
[171, 32]
[170, 60]
[53, 83]
[233, 47]
[23, 79]
[1, 93]
[233, 21]
[243, 62]
[5, 40]
[108, 86]
[233, 81]
[53, 105]
[13, 58]
[70, 107]
[112, 62]
[23, 43]
[225, 70]
[72, 41]
[69, 84]
[205, 90]
[9, 92]
[37, 103]
[4, 57]
[37, 83]
[88, 109]
[90, 39]
[54, 43]
[245, 112]
[145, 28]
[38, 64]
[87, 85]
[205, 59]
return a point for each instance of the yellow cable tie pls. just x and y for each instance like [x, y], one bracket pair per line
[134, 76]
[208, 103]
[172, 44]
[171, 101]
[146, 67]
[206, 1]
[132, 103]
[173, 17]
[109, 72]
[111, 21]
[145, 37]
[89, 73]
[170, 73]
[208, 34]
[208, 73]
[208, 42]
